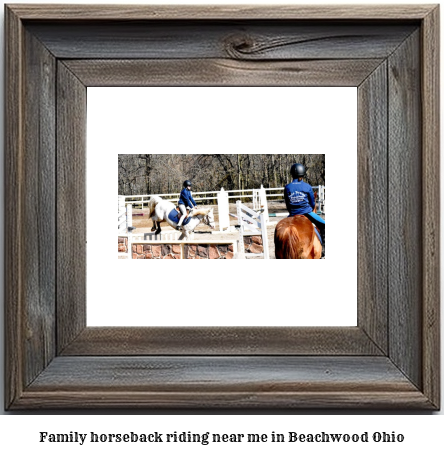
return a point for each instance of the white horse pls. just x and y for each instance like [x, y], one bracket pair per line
[159, 211]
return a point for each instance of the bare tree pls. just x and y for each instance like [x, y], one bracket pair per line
[165, 173]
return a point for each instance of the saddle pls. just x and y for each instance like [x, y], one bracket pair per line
[175, 215]
[178, 211]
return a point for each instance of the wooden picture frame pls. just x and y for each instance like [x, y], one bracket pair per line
[390, 360]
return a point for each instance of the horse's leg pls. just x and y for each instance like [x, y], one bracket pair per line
[156, 226]
[157, 218]
[154, 218]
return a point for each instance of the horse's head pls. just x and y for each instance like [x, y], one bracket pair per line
[209, 219]
[206, 216]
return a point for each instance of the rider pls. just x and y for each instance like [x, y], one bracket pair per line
[299, 199]
[185, 200]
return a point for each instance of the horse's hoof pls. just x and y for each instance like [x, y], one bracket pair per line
[158, 232]
[153, 228]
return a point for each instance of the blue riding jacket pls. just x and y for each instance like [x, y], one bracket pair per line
[186, 199]
[299, 198]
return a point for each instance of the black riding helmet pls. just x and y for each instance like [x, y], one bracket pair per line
[297, 170]
[187, 183]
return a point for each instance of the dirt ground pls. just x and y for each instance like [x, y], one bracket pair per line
[143, 224]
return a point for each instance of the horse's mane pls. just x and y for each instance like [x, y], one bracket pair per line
[286, 239]
[294, 237]
[201, 211]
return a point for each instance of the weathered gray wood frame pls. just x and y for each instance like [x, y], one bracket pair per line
[390, 360]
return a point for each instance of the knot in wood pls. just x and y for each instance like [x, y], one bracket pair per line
[238, 46]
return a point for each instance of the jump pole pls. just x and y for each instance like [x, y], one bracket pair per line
[279, 214]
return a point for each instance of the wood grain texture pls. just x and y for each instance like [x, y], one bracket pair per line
[405, 204]
[127, 341]
[71, 206]
[220, 12]
[236, 40]
[233, 382]
[30, 207]
[13, 207]
[221, 72]
[430, 94]
[246, 401]
[38, 208]
[373, 207]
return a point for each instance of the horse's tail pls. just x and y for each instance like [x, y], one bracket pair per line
[287, 240]
[154, 200]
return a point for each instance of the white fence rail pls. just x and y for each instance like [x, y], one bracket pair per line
[141, 200]
[252, 223]
[260, 198]
[164, 236]
[270, 193]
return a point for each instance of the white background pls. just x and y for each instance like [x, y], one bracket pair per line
[258, 120]
[19, 434]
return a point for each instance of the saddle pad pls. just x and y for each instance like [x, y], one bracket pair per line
[174, 216]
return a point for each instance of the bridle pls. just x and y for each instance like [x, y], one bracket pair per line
[206, 220]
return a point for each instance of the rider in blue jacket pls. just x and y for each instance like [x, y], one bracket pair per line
[299, 199]
[185, 200]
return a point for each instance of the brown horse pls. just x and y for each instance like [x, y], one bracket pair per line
[295, 238]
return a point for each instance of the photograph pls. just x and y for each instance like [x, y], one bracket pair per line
[241, 162]
[221, 206]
